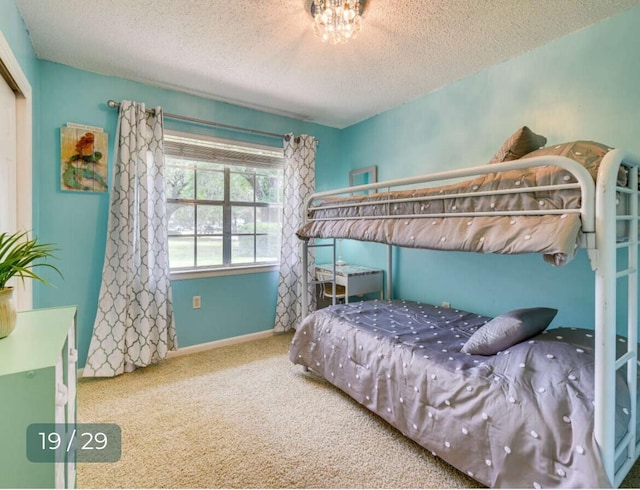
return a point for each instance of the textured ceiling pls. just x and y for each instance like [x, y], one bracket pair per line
[262, 54]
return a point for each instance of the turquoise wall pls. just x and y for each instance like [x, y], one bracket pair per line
[77, 222]
[583, 86]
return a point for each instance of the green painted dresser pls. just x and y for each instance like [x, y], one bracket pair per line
[37, 385]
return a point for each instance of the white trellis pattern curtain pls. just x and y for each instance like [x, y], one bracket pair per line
[134, 323]
[299, 184]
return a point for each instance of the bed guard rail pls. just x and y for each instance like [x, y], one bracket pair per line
[584, 182]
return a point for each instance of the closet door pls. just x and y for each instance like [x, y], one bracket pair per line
[16, 131]
[8, 182]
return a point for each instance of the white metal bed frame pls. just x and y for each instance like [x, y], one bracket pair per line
[599, 217]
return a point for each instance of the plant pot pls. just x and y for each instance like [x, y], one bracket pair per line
[8, 313]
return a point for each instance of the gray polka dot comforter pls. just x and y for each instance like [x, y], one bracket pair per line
[520, 419]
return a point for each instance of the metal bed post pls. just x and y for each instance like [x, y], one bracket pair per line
[305, 278]
[605, 315]
[634, 280]
[606, 361]
[632, 318]
[304, 254]
[389, 291]
[333, 274]
[629, 195]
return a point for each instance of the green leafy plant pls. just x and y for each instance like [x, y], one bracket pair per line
[18, 254]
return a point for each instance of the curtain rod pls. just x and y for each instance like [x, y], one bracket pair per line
[113, 103]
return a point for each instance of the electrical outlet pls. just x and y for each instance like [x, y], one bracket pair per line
[446, 304]
[196, 302]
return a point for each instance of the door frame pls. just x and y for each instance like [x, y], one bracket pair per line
[24, 151]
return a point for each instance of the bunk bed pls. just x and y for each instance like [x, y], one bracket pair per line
[504, 400]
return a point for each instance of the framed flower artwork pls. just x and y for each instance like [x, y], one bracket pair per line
[83, 158]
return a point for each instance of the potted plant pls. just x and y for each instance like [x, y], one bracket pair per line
[18, 255]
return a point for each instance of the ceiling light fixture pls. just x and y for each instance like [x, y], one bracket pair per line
[336, 21]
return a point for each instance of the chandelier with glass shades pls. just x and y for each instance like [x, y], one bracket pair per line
[336, 21]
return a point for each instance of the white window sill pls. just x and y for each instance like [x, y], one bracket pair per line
[227, 271]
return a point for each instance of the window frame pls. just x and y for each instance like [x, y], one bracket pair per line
[227, 205]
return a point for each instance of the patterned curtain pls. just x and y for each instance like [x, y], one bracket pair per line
[134, 322]
[299, 184]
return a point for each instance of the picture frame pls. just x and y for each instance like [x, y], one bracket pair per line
[83, 158]
[364, 176]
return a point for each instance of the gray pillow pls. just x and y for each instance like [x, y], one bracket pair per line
[508, 329]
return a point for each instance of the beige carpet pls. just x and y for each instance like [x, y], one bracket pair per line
[243, 416]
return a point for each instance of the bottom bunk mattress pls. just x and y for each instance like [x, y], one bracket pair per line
[520, 418]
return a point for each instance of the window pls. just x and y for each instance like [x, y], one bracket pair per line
[224, 202]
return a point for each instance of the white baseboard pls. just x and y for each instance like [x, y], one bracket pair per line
[220, 343]
[192, 349]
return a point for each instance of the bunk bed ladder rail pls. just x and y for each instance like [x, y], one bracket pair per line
[306, 245]
[305, 273]
[606, 294]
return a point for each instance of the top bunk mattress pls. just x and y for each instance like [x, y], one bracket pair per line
[507, 218]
